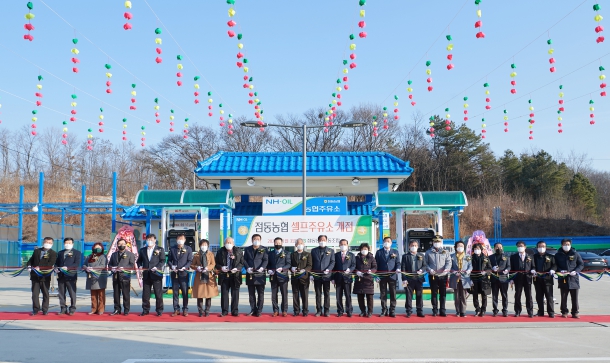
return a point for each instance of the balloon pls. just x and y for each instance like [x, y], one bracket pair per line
[158, 41]
[362, 34]
[240, 46]
[352, 46]
[231, 12]
[480, 35]
[478, 24]
[127, 26]
[361, 24]
[362, 13]
[231, 33]
[231, 23]
[127, 15]
[128, 4]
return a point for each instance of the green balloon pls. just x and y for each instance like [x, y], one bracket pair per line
[158, 31]
[409, 82]
[220, 105]
[334, 94]
[262, 111]
[485, 84]
[133, 85]
[351, 36]
[230, 115]
[560, 86]
[186, 119]
[477, 2]
[601, 68]
[245, 60]
[385, 108]
[529, 101]
[30, 5]
[172, 111]
[40, 78]
[256, 93]
[156, 100]
[64, 122]
[513, 65]
[108, 66]
[239, 36]
[505, 111]
[210, 93]
[374, 117]
[465, 98]
[179, 57]
[549, 42]
[344, 62]
[447, 109]
[74, 40]
[428, 63]
[595, 7]
[101, 109]
[196, 78]
[591, 102]
[362, 2]
[483, 119]
[89, 130]
[230, 2]
[34, 112]
[449, 38]
[250, 80]
[124, 120]
[73, 96]
[338, 80]
[395, 97]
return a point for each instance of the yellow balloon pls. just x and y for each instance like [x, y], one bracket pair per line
[196, 86]
[450, 47]
[231, 12]
[39, 86]
[256, 100]
[326, 118]
[409, 89]
[34, 119]
[602, 77]
[186, 126]
[90, 136]
[513, 74]
[262, 118]
[465, 105]
[128, 4]
[156, 107]
[171, 117]
[362, 13]
[479, 13]
[428, 71]
[75, 51]
[330, 111]
[133, 93]
[486, 92]
[505, 118]
[143, 133]
[591, 108]
[109, 75]
[251, 86]
[65, 129]
[101, 117]
[222, 112]
[124, 126]
[598, 18]
[210, 100]
[246, 69]
[352, 46]
[531, 108]
[431, 123]
[230, 121]
[531, 126]
[338, 89]
[158, 41]
[73, 104]
[180, 66]
[30, 16]
[240, 46]
[551, 51]
[484, 125]
[334, 101]
[345, 71]
[447, 116]
[395, 103]
[560, 118]
[385, 114]
[560, 94]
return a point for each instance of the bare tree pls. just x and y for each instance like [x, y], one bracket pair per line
[246, 139]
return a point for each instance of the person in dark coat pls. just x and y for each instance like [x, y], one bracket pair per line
[300, 260]
[522, 264]
[570, 264]
[278, 268]
[481, 280]
[500, 265]
[322, 263]
[121, 281]
[388, 261]
[229, 262]
[364, 285]
[152, 259]
[70, 260]
[42, 261]
[256, 260]
[95, 266]
[438, 263]
[413, 266]
[180, 259]
[345, 264]
[544, 266]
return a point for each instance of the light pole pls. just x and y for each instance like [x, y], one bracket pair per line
[304, 127]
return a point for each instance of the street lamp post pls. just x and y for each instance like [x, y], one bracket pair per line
[304, 127]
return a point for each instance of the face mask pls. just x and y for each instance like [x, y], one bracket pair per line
[437, 245]
[97, 250]
[181, 242]
[150, 243]
[343, 248]
[204, 248]
[364, 252]
[256, 242]
[47, 246]
[460, 249]
[521, 249]
[300, 247]
[477, 252]
[229, 247]
[413, 249]
[322, 244]
[122, 248]
[498, 250]
[542, 250]
[278, 247]
[566, 247]
[387, 245]
[68, 247]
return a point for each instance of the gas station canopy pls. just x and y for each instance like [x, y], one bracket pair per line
[186, 198]
[420, 200]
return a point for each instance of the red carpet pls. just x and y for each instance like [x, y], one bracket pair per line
[267, 318]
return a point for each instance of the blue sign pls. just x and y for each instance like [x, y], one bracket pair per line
[273, 206]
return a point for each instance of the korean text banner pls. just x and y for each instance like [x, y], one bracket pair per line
[315, 205]
[355, 229]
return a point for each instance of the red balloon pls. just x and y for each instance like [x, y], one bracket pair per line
[178, 74]
[412, 103]
[127, 15]
[602, 93]
[488, 107]
[133, 108]
[251, 94]
[450, 56]
[361, 24]
[600, 39]
[209, 107]
[352, 56]
[108, 90]
[75, 60]
[73, 119]
[222, 124]
[64, 142]
[345, 79]
[179, 83]
[338, 95]
[560, 131]
[513, 83]
[410, 97]
[239, 64]
[245, 85]
[552, 60]
[478, 24]
[158, 60]
[239, 55]
[598, 29]
[158, 50]
[603, 85]
[396, 117]
[127, 26]
[506, 124]
[561, 109]
[480, 35]
[449, 66]
[29, 26]
[513, 91]
[592, 122]
[100, 130]
[592, 115]
[386, 127]
[430, 88]
[196, 93]
[251, 102]
[75, 70]
[38, 103]
[171, 129]
[230, 132]
[552, 69]
[158, 121]
[352, 65]
[346, 87]
[465, 118]
[561, 102]
[483, 131]
[506, 130]
[559, 124]
[487, 99]
[429, 80]
[231, 33]
[196, 101]
[339, 103]
[210, 114]
[231, 23]
[28, 37]
[362, 34]
[73, 112]
[465, 112]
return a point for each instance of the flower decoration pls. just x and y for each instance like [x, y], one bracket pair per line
[28, 26]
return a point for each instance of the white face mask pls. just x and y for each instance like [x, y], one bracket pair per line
[151, 243]
[387, 245]
[68, 247]
[460, 249]
[521, 249]
[180, 242]
[229, 247]
[413, 249]
[47, 246]
[343, 248]
[477, 252]
[204, 248]
[437, 245]
[300, 247]
[566, 247]
[364, 252]
[541, 249]
[256, 243]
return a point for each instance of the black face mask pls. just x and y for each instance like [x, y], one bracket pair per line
[498, 251]
[122, 248]
[97, 250]
[278, 247]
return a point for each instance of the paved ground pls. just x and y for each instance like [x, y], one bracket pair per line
[57, 341]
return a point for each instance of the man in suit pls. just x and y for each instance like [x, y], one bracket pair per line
[570, 264]
[413, 265]
[229, 262]
[438, 262]
[277, 268]
[345, 263]
[388, 261]
[322, 263]
[42, 261]
[152, 259]
[300, 260]
[255, 262]
[119, 261]
[522, 264]
[499, 284]
[544, 264]
[180, 258]
[69, 259]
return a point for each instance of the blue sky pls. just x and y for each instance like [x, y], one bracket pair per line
[295, 51]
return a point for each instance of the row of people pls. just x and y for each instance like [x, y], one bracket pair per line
[349, 273]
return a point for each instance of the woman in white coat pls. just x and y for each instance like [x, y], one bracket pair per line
[459, 281]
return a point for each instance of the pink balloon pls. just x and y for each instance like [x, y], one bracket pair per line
[127, 26]
[158, 50]
[158, 60]
[127, 15]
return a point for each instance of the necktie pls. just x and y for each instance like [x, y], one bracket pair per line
[343, 257]
[229, 259]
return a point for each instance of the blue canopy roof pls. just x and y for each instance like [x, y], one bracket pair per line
[350, 164]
